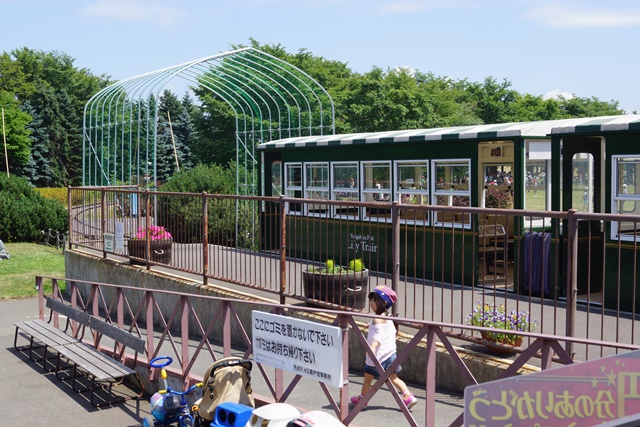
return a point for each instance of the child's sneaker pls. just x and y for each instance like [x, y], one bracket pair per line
[410, 400]
[356, 399]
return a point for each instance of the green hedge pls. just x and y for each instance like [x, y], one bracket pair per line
[24, 213]
[230, 223]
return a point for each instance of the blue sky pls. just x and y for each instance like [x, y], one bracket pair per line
[582, 47]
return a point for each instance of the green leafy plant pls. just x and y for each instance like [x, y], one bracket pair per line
[330, 267]
[492, 316]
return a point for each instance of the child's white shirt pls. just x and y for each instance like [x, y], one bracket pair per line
[385, 334]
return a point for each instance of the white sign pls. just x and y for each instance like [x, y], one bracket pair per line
[109, 242]
[119, 236]
[302, 347]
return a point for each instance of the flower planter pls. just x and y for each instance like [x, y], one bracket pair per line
[504, 349]
[160, 251]
[347, 289]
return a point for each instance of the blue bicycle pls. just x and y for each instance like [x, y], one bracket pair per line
[169, 406]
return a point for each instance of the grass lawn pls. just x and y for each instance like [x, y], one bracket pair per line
[28, 260]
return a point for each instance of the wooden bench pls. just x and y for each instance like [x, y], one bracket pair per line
[82, 360]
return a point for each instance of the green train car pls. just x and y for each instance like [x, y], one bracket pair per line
[586, 164]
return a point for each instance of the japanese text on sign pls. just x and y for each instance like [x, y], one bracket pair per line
[582, 394]
[302, 347]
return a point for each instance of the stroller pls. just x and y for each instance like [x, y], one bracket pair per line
[226, 380]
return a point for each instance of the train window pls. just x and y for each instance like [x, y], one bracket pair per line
[537, 182]
[345, 187]
[498, 182]
[294, 186]
[451, 188]
[376, 180]
[626, 196]
[412, 188]
[317, 187]
[276, 178]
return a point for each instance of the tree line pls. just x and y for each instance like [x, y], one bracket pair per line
[43, 96]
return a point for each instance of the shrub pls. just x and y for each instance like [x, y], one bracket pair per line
[231, 223]
[24, 213]
[213, 179]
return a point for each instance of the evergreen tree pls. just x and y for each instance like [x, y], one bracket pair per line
[57, 115]
[165, 160]
[37, 170]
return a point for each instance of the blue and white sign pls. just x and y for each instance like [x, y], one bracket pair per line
[302, 347]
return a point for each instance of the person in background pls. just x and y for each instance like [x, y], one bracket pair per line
[382, 340]
[585, 200]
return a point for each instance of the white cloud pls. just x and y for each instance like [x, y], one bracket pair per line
[578, 16]
[133, 10]
[556, 94]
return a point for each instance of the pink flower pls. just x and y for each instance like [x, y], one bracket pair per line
[156, 232]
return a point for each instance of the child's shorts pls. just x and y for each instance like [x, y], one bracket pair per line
[371, 370]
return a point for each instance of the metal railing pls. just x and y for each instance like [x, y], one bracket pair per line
[188, 328]
[442, 260]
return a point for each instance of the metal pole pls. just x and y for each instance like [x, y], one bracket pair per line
[4, 138]
[283, 249]
[572, 277]
[173, 141]
[395, 249]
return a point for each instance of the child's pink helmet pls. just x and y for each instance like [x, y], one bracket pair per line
[388, 295]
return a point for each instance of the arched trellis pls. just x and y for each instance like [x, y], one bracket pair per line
[271, 99]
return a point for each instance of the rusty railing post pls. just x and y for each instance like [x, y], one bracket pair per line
[395, 249]
[149, 304]
[572, 277]
[205, 238]
[69, 216]
[147, 256]
[344, 390]
[283, 249]
[103, 218]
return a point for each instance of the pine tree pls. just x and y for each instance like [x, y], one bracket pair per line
[37, 170]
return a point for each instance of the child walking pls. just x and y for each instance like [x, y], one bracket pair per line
[382, 340]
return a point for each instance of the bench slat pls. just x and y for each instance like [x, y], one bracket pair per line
[93, 361]
[45, 332]
[112, 331]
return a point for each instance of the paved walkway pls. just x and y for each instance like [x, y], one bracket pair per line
[32, 397]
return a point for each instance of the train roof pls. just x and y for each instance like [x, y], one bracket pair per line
[539, 129]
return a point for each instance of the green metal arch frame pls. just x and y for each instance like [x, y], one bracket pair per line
[271, 99]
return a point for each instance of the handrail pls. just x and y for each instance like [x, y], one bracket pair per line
[277, 270]
[135, 309]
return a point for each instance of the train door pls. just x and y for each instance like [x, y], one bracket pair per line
[497, 181]
[583, 190]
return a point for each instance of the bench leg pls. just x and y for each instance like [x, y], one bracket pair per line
[62, 368]
[30, 351]
[119, 398]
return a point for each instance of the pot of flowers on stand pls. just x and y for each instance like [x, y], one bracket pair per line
[157, 239]
[500, 343]
[345, 286]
